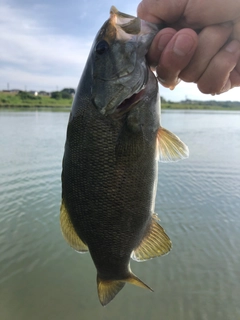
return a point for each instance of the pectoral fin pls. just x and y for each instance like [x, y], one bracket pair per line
[170, 147]
[155, 243]
[69, 232]
[129, 143]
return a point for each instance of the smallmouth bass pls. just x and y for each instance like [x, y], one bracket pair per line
[113, 144]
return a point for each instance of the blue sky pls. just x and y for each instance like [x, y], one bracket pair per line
[44, 44]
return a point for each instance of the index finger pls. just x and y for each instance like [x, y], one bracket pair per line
[161, 11]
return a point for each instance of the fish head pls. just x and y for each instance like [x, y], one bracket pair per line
[119, 68]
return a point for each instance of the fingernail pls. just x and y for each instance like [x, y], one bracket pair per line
[177, 81]
[170, 86]
[163, 41]
[233, 46]
[183, 45]
[161, 80]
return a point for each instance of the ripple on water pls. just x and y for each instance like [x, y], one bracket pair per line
[198, 202]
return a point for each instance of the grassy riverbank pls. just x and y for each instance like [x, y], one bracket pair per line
[30, 101]
[10, 100]
[199, 106]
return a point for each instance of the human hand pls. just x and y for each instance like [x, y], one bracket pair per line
[208, 56]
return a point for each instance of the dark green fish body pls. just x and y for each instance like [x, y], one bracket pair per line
[114, 140]
[110, 187]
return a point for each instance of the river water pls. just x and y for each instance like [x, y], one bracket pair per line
[198, 202]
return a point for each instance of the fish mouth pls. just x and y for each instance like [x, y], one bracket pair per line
[129, 24]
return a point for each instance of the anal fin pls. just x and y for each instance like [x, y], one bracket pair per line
[155, 243]
[69, 232]
[170, 147]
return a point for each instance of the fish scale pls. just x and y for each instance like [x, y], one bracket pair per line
[113, 142]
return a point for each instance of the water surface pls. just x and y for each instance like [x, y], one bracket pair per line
[198, 202]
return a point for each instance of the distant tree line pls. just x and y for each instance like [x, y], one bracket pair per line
[223, 104]
[66, 93]
[24, 95]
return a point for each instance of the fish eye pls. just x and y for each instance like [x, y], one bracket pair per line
[102, 46]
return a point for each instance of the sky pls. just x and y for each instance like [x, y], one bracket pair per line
[44, 45]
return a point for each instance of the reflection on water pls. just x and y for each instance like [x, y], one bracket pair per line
[198, 202]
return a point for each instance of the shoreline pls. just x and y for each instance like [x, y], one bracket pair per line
[63, 101]
[168, 106]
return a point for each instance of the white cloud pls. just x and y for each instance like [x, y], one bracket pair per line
[190, 91]
[33, 81]
[29, 51]
[32, 54]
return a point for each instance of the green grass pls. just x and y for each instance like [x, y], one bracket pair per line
[194, 106]
[8, 100]
[27, 100]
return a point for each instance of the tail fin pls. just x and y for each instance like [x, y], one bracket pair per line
[108, 289]
[137, 282]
